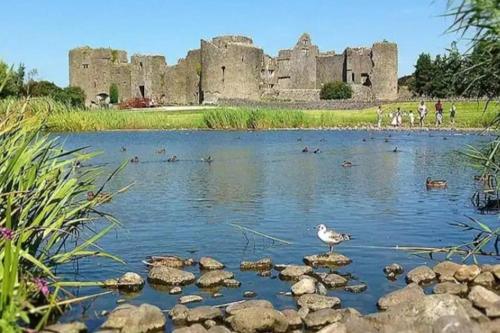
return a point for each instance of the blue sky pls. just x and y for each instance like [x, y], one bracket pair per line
[39, 33]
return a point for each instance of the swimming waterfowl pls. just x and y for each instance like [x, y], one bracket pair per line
[161, 151]
[317, 151]
[134, 160]
[208, 159]
[299, 139]
[172, 159]
[395, 150]
[386, 140]
[347, 164]
[78, 164]
[364, 140]
[430, 183]
[305, 150]
[123, 149]
[101, 196]
[331, 237]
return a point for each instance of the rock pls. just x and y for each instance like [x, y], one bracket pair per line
[264, 273]
[203, 313]
[293, 272]
[304, 286]
[452, 288]
[496, 271]
[129, 281]
[133, 319]
[394, 268]
[317, 302]
[208, 263]
[455, 324]
[234, 308]
[257, 319]
[175, 290]
[485, 279]
[320, 318]
[327, 259]
[492, 326]
[445, 271]
[308, 277]
[217, 295]
[303, 312]
[334, 328]
[280, 267]
[421, 313]
[264, 264]
[196, 328]
[467, 273]
[293, 318]
[179, 313]
[356, 288]
[334, 281]
[213, 278]
[219, 329]
[75, 327]
[249, 294]
[409, 293]
[121, 301]
[231, 283]
[190, 299]
[485, 299]
[170, 261]
[209, 323]
[420, 274]
[321, 289]
[169, 276]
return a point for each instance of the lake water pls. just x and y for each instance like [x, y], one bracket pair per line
[263, 181]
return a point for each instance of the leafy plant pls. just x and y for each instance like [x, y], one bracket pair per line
[113, 93]
[336, 90]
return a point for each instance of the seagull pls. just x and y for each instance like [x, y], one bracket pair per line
[331, 237]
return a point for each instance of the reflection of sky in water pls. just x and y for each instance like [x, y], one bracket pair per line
[263, 181]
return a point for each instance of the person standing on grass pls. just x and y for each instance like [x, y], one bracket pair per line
[412, 118]
[399, 117]
[422, 112]
[379, 116]
[439, 112]
[453, 111]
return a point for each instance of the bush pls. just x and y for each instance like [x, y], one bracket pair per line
[113, 93]
[336, 90]
[71, 96]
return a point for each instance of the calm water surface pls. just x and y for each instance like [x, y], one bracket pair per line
[263, 181]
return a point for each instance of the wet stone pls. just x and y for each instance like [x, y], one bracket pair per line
[334, 281]
[321, 289]
[203, 313]
[256, 319]
[317, 302]
[249, 294]
[175, 290]
[132, 319]
[280, 267]
[293, 318]
[293, 272]
[170, 261]
[446, 270]
[327, 260]
[485, 279]
[393, 269]
[452, 288]
[420, 274]
[356, 288]
[467, 273]
[213, 278]
[190, 299]
[320, 318]
[264, 273]
[179, 313]
[304, 286]
[169, 276]
[411, 292]
[208, 263]
[231, 283]
[264, 264]
[234, 308]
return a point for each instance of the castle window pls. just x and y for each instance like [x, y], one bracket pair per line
[85, 66]
[223, 72]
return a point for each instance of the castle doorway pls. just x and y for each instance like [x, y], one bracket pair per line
[143, 91]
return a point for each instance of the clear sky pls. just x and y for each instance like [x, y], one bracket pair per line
[39, 33]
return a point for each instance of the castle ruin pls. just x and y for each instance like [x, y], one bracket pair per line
[232, 67]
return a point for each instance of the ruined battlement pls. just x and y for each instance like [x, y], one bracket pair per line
[233, 67]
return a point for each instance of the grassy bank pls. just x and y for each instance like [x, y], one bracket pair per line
[61, 118]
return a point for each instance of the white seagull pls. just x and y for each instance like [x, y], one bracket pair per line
[331, 237]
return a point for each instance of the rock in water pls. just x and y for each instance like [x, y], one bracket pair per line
[234, 308]
[190, 299]
[320, 318]
[256, 319]
[169, 276]
[452, 288]
[467, 273]
[203, 313]
[293, 318]
[356, 288]
[231, 283]
[170, 261]
[175, 290]
[327, 260]
[264, 264]
[75, 327]
[208, 263]
[334, 281]
[130, 281]
[133, 319]
[213, 278]
[445, 271]
[485, 279]
[420, 274]
[485, 299]
[316, 302]
[411, 292]
[304, 286]
[179, 313]
[196, 328]
[394, 269]
[294, 272]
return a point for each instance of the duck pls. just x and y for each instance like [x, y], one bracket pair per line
[430, 183]
[305, 150]
[161, 151]
[347, 164]
[364, 140]
[331, 237]
[386, 140]
[78, 164]
[317, 151]
[299, 139]
[134, 160]
[123, 149]
[395, 150]
[172, 159]
[209, 159]
[101, 196]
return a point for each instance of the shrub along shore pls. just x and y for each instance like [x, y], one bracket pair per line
[61, 118]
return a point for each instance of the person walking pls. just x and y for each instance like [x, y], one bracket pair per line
[453, 111]
[379, 116]
[439, 112]
[399, 117]
[422, 112]
[412, 118]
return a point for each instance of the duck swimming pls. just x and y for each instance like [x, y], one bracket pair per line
[331, 237]
[395, 150]
[317, 151]
[305, 150]
[123, 149]
[172, 159]
[435, 183]
[161, 151]
[209, 159]
[347, 164]
[134, 160]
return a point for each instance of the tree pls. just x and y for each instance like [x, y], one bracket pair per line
[336, 90]
[423, 75]
[9, 80]
[113, 93]
[74, 96]
[44, 88]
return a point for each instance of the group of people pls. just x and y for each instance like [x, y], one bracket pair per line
[422, 111]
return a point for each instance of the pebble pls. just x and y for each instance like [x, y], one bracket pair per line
[249, 294]
[190, 299]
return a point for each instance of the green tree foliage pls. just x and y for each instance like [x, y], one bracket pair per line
[73, 96]
[114, 94]
[424, 70]
[11, 80]
[336, 90]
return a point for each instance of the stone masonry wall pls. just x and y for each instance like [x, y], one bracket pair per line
[384, 76]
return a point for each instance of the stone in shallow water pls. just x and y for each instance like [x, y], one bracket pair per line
[409, 293]
[208, 263]
[234, 308]
[75, 327]
[485, 279]
[169, 261]
[445, 271]
[356, 288]
[219, 329]
[334, 280]
[327, 259]
[169, 276]
[175, 291]
[130, 281]
[264, 273]
[179, 313]
[263, 264]
[203, 313]
[293, 272]
[190, 299]
[304, 286]
[467, 273]
[452, 288]
[196, 328]
[213, 278]
[320, 318]
[132, 319]
[231, 283]
[317, 302]
[394, 269]
[249, 294]
[420, 274]
[485, 299]
[257, 319]
[293, 318]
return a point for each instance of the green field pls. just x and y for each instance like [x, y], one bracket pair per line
[470, 115]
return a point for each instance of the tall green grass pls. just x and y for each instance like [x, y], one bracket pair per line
[243, 118]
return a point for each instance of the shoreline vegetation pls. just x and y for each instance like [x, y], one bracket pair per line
[471, 116]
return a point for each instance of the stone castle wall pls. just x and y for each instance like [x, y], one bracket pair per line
[232, 67]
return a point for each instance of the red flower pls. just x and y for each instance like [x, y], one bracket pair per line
[42, 286]
[7, 233]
